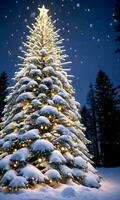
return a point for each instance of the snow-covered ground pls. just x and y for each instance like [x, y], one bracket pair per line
[110, 190]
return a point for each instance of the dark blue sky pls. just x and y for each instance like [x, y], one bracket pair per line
[86, 26]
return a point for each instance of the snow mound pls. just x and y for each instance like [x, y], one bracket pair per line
[68, 192]
[31, 172]
[20, 155]
[53, 174]
[42, 146]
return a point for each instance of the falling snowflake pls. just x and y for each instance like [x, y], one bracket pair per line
[78, 5]
[91, 25]
[98, 39]
[28, 8]
[32, 15]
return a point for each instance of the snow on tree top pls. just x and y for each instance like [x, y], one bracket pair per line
[42, 146]
[53, 174]
[30, 172]
[49, 110]
[43, 121]
[43, 52]
[50, 59]
[4, 163]
[80, 162]
[25, 96]
[31, 66]
[31, 134]
[56, 157]
[8, 176]
[18, 181]
[20, 155]
[33, 59]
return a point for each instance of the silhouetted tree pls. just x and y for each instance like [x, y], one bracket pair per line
[108, 120]
[86, 120]
[3, 91]
[117, 27]
[91, 104]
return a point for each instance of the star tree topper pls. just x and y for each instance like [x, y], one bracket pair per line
[43, 11]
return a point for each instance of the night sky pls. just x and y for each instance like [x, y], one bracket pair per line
[86, 25]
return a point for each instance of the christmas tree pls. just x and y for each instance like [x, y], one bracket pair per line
[42, 139]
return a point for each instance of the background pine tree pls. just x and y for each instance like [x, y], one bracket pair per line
[107, 119]
[117, 27]
[3, 91]
[101, 116]
[91, 103]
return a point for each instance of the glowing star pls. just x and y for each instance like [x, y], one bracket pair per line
[43, 11]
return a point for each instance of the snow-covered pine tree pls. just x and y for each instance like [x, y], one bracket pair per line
[42, 139]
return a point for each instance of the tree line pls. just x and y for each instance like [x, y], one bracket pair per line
[3, 91]
[101, 117]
